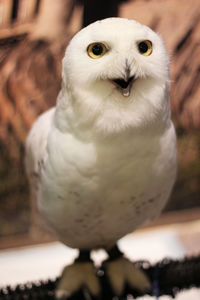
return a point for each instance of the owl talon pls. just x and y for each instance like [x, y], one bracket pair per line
[122, 271]
[76, 276]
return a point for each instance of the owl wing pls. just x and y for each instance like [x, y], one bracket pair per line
[36, 146]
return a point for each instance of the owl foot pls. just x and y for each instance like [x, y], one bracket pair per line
[81, 274]
[121, 271]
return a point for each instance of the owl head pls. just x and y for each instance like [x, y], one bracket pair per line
[116, 76]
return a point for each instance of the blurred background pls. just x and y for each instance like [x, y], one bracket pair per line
[33, 38]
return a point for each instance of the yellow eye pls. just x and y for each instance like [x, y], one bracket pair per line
[145, 48]
[96, 50]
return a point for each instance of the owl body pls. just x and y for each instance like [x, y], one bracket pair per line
[103, 161]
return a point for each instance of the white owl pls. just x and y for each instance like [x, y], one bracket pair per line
[103, 161]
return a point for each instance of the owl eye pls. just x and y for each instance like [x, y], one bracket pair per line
[145, 48]
[96, 50]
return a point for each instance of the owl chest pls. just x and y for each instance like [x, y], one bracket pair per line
[97, 189]
[87, 174]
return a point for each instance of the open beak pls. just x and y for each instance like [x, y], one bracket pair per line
[124, 86]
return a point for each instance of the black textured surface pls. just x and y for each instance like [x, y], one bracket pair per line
[168, 277]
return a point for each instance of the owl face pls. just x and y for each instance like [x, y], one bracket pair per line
[116, 61]
[116, 49]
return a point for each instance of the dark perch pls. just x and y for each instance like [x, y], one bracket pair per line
[168, 277]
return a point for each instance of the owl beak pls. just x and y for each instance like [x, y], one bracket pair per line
[124, 86]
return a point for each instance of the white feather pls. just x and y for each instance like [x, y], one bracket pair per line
[105, 163]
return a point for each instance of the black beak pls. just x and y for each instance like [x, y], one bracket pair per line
[124, 85]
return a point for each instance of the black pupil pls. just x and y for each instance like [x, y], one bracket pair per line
[143, 47]
[97, 49]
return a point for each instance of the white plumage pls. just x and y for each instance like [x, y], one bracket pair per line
[103, 161]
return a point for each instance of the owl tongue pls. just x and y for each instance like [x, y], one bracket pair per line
[126, 91]
[124, 86]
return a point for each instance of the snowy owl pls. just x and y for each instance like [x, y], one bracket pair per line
[103, 161]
